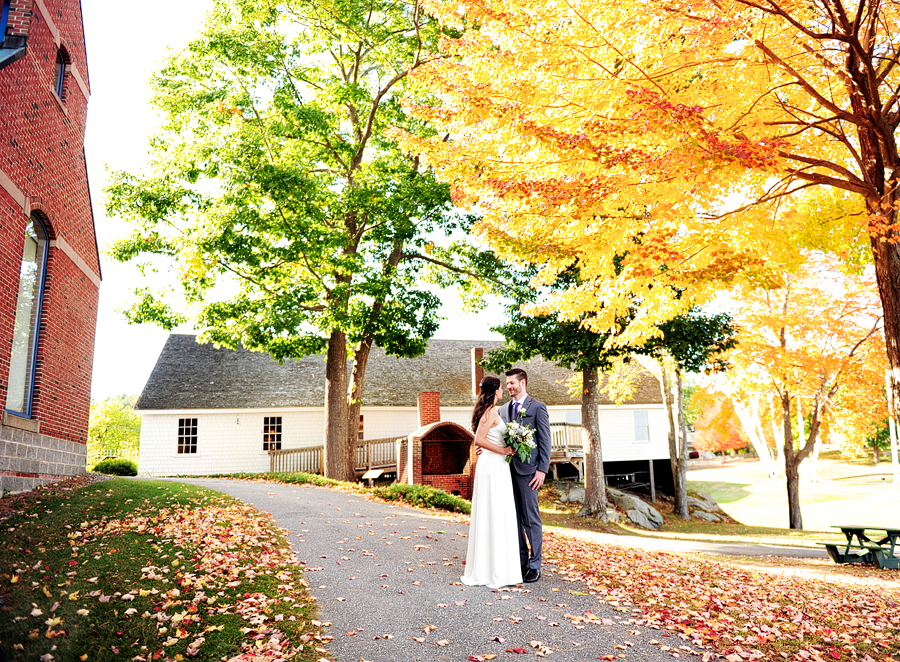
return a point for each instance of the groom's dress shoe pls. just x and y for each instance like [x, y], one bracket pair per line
[531, 575]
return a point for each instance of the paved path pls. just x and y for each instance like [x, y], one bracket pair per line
[377, 569]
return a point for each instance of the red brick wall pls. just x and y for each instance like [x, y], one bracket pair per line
[429, 403]
[42, 163]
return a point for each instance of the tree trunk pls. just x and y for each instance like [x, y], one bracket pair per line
[887, 271]
[594, 479]
[336, 458]
[360, 360]
[748, 415]
[680, 470]
[876, 454]
[779, 459]
[674, 434]
[791, 466]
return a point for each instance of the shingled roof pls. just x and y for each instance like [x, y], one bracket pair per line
[192, 375]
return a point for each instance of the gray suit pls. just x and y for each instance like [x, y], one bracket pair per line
[528, 515]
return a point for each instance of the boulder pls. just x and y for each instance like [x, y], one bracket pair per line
[709, 517]
[704, 502]
[640, 513]
[612, 514]
[639, 518]
[569, 492]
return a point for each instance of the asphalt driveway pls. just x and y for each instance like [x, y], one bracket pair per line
[387, 579]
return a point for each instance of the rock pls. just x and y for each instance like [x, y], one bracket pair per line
[570, 492]
[705, 502]
[709, 517]
[638, 512]
[639, 518]
[612, 514]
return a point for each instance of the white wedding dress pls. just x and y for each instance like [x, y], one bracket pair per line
[492, 557]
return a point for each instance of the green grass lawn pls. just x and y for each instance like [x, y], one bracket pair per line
[145, 570]
[744, 491]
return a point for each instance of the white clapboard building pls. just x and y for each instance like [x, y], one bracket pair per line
[206, 410]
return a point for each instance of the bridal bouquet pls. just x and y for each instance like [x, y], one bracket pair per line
[520, 437]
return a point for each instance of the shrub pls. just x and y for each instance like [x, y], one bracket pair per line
[116, 466]
[423, 495]
[298, 478]
[415, 495]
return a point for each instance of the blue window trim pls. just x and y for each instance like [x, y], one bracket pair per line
[4, 18]
[38, 223]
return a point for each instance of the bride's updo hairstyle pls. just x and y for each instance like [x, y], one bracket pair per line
[487, 390]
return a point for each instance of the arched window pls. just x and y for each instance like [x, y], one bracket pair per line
[4, 18]
[59, 81]
[28, 319]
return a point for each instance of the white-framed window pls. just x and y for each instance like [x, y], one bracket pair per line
[641, 425]
[26, 328]
[573, 417]
[272, 433]
[187, 435]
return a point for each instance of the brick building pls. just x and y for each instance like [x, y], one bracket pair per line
[49, 263]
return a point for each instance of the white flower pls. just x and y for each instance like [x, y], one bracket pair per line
[523, 412]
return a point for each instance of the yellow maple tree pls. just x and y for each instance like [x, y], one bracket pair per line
[815, 343]
[671, 148]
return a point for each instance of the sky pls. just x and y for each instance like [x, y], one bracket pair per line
[126, 43]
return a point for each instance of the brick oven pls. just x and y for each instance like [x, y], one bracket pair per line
[439, 454]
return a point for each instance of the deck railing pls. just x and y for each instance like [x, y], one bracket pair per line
[376, 454]
[293, 460]
[565, 438]
[370, 454]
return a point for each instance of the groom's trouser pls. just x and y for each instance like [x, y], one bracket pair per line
[528, 517]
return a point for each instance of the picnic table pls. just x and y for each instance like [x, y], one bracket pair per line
[861, 548]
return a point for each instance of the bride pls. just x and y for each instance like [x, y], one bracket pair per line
[492, 557]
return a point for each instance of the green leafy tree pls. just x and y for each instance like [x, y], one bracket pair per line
[691, 340]
[568, 344]
[113, 426]
[879, 441]
[293, 224]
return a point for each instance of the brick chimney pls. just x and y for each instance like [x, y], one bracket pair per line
[477, 370]
[429, 407]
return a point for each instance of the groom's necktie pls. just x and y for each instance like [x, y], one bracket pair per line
[515, 409]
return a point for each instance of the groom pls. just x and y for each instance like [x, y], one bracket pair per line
[528, 476]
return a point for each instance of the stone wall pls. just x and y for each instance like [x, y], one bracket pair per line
[29, 458]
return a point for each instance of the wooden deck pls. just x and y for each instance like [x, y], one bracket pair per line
[566, 447]
[370, 454]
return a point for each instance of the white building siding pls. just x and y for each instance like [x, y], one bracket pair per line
[232, 440]
[226, 441]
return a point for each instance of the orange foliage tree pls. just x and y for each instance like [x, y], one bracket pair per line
[815, 340]
[717, 427]
[671, 147]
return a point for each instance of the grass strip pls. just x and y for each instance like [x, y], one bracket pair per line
[414, 495]
[146, 570]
